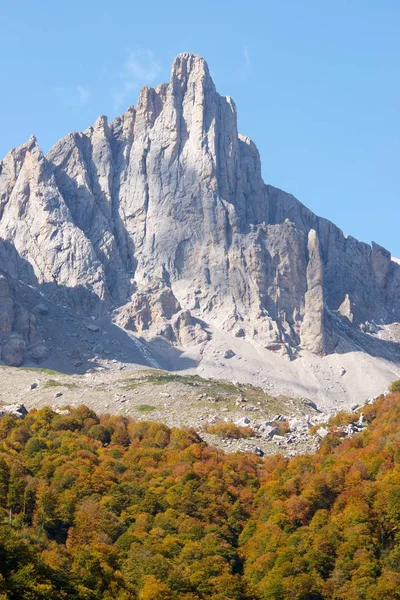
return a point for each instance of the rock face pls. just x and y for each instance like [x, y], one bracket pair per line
[19, 338]
[162, 217]
[315, 332]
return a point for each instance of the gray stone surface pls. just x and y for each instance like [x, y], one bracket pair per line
[19, 337]
[162, 217]
[15, 410]
[13, 349]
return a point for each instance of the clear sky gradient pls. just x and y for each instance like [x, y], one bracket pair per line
[316, 84]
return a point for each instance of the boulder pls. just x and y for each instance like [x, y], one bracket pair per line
[12, 351]
[272, 432]
[38, 353]
[41, 309]
[16, 410]
[322, 432]
[243, 422]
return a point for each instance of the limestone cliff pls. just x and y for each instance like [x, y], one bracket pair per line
[162, 216]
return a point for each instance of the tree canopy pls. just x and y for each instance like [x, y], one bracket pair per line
[108, 508]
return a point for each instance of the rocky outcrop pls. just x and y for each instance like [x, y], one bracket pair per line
[147, 308]
[19, 338]
[316, 330]
[162, 216]
[6, 308]
[156, 312]
[37, 227]
[15, 410]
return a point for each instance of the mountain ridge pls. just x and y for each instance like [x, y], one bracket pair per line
[162, 219]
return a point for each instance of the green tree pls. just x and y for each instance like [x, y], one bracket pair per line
[4, 479]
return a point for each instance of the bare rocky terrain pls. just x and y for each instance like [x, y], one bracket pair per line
[176, 400]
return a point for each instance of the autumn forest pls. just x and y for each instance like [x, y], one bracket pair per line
[102, 507]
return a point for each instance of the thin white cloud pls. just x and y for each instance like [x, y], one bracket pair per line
[84, 94]
[246, 56]
[79, 95]
[140, 68]
[245, 64]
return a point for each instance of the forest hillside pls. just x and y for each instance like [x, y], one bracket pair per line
[103, 507]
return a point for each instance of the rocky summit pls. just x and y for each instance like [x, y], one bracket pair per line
[156, 235]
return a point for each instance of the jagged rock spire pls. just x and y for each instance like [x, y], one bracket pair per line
[170, 196]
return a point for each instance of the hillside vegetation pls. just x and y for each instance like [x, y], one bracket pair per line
[109, 508]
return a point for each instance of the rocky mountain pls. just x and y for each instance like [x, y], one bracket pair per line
[161, 219]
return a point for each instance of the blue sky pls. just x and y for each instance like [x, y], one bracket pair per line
[316, 84]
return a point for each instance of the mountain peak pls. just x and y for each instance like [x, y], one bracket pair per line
[164, 217]
[188, 65]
